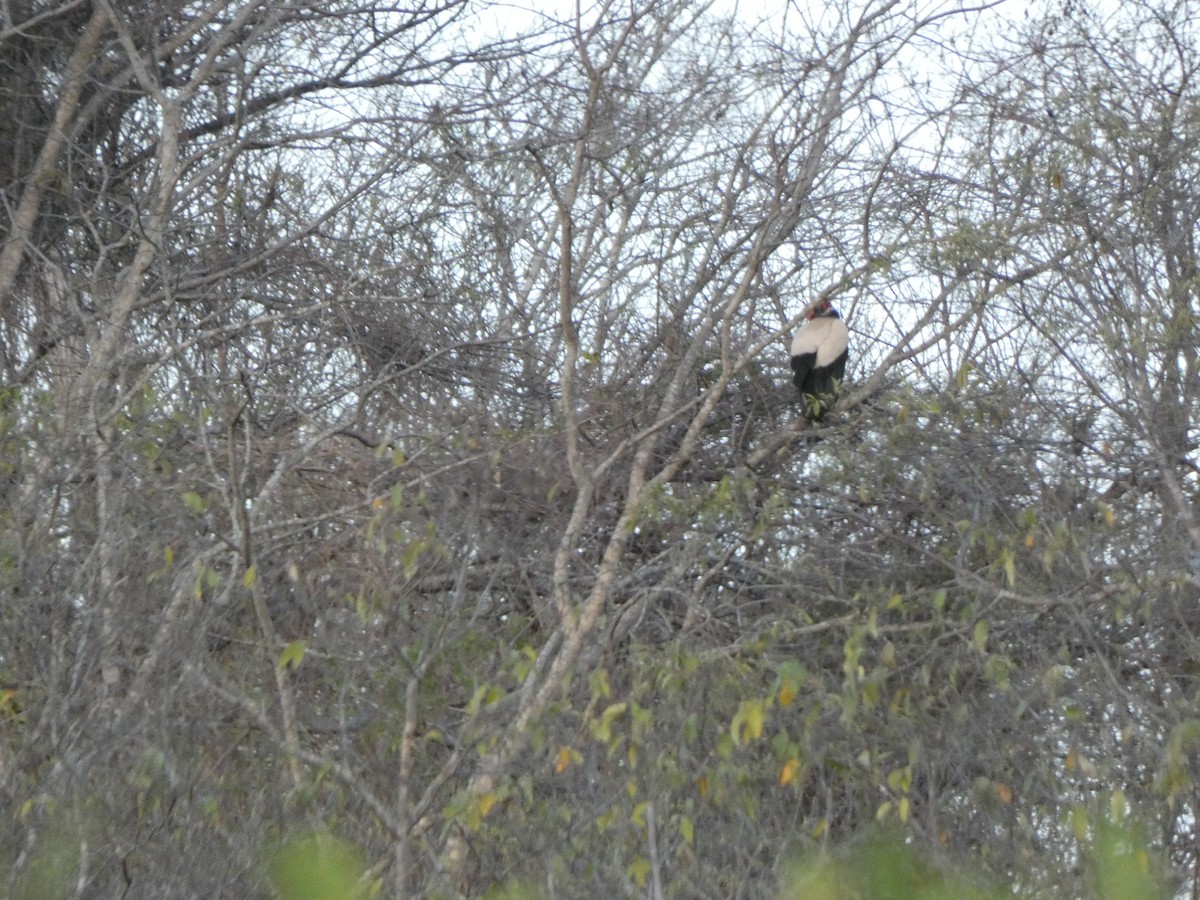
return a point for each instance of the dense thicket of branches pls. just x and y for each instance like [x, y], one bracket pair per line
[397, 443]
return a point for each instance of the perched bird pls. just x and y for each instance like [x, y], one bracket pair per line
[819, 359]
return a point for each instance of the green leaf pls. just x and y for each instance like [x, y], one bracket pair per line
[687, 830]
[724, 745]
[602, 730]
[639, 870]
[476, 701]
[598, 682]
[748, 721]
[1116, 805]
[1009, 562]
[605, 819]
[980, 636]
[939, 601]
[292, 655]
[638, 816]
[964, 372]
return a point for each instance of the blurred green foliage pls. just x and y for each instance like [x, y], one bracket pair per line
[318, 867]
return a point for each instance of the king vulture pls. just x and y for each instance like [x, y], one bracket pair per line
[819, 359]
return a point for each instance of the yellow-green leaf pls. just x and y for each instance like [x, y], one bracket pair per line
[980, 636]
[964, 372]
[639, 870]
[1079, 822]
[787, 691]
[292, 655]
[1009, 562]
[486, 802]
[638, 816]
[1110, 517]
[1116, 805]
[725, 745]
[602, 730]
[748, 722]
[476, 701]
[598, 682]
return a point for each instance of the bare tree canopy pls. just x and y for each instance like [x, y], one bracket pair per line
[401, 467]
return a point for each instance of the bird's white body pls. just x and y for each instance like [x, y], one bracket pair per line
[825, 336]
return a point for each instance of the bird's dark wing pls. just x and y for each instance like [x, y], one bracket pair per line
[825, 380]
[802, 365]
